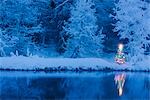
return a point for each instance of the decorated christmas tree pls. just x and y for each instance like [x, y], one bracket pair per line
[120, 58]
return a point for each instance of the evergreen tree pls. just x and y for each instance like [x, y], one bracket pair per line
[133, 24]
[84, 38]
[6, 42]
[19, 23]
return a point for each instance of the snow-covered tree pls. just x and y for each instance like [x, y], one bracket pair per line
[133, 24]
[82, 30]
[6, 42]
[2, 44]
[19, 19]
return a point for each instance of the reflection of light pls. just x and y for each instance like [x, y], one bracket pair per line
[120, 80]
[120, 46]
[120, 91]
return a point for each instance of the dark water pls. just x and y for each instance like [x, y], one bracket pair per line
[85, 86]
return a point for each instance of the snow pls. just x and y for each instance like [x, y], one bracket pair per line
[68, 64]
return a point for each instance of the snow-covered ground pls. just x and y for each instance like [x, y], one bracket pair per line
[79, 64]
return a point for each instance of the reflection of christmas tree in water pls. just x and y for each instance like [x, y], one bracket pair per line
[120, 80]
[120, 58]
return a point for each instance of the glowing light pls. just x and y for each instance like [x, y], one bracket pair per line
[120, 46]
[120, 91]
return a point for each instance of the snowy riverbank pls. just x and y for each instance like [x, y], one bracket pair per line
[79, 64]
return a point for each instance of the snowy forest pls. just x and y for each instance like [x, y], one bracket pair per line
[74, 28]
[74, 49]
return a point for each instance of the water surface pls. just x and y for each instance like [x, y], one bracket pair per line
[95, 86]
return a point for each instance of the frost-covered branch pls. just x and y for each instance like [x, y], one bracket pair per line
[61, 4]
